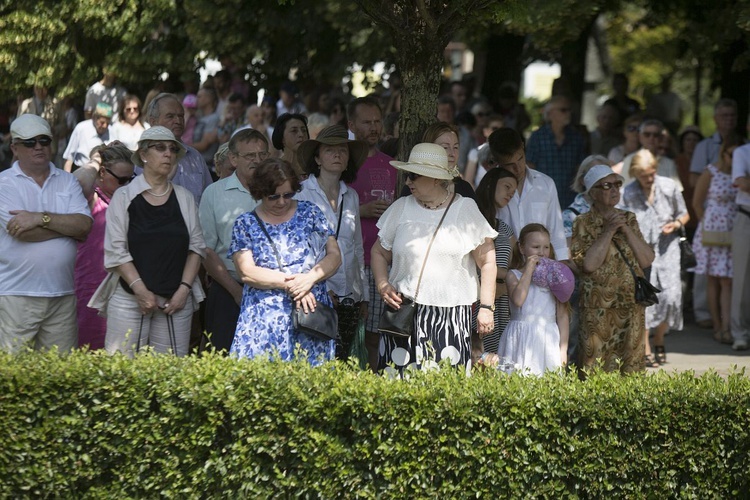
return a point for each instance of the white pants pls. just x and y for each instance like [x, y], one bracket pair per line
[128, 330]
[740, 312]
[38, 322]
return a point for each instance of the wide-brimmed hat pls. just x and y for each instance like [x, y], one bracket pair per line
[430, 160]
[597, 173]
[28, 126]
[157, 133]
[331, 136]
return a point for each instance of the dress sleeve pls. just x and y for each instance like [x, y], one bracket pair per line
[241, 234]
[475, 227]
[583, 238]
[319, 221]
[388, 223]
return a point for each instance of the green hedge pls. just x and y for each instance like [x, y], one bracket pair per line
[95, 426]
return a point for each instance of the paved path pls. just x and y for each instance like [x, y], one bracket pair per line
[695, 349]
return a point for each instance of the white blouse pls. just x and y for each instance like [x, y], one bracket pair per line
[450, 276]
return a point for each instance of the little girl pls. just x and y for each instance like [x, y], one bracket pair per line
[536, 338]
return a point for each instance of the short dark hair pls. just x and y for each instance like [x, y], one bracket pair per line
[277, 138]
[246, 135]
[504, 142]
[234, 97]
[269, 175]
[351, 108]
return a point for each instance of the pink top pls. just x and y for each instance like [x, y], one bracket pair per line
[90, 260]
[376, 179]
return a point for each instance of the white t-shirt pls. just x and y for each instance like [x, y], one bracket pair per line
[450, 276]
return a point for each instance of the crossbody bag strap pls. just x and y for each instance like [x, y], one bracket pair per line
[632, 271]
[424, 263]
[341, 213]
[273, 245]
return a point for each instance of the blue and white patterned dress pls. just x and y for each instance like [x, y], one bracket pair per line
[265, 323]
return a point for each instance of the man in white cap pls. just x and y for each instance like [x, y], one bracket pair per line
[86, 136]
[43, 215]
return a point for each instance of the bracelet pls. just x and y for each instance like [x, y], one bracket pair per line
[134, 282]
[189, 287]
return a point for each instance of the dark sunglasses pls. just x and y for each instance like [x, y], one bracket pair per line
[411, 176]
[286, 196]
[120, 180]
[131, 109]
[606, 186]
[161, 147]
[31, 143]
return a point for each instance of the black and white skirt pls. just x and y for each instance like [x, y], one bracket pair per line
[439, 333]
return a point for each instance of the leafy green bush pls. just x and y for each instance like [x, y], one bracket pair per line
[98, 426]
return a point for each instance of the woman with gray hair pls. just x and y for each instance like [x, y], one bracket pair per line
[581, 203]
[222, 166]
[153, 247]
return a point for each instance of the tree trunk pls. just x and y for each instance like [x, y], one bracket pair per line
[736, 84]
[573, 67]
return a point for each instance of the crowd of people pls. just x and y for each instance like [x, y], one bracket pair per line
[189, 219]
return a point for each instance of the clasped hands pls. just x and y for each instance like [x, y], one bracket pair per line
[298, 286]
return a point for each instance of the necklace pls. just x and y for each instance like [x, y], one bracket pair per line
[169, 186]
[428, 207]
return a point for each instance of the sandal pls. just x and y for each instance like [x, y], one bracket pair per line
[660, 354]
[726, 337]
[648, 360]
[718, 335]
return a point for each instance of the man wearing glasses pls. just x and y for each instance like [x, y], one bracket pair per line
[650, 135]
[43, 215]
[221, 204]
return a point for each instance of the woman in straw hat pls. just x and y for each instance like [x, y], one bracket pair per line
[449, 284]
[153, 247]
[331, 161]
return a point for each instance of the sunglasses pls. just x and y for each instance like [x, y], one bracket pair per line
[606, 186]
[131, 109]
[286, 196]
[31, 143]
[120, 180]
[411, 176]
[632, 128]
[161, 147]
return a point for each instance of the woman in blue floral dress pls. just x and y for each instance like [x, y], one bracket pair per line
[308, 253]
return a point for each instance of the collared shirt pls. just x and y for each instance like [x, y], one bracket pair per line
[741, 168]
[538, 203]
[349, 280]
[221, 204]
[558, 162]
[82, 141]
[42, 268]
[706, 151]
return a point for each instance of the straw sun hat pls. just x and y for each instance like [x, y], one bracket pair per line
[157, 133]
[429, 160]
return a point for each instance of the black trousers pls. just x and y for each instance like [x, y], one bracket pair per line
[348, 322]
[222, 314]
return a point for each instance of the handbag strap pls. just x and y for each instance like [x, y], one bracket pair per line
[273, 245]
[424, 263]
[341, 213]
[632, 271]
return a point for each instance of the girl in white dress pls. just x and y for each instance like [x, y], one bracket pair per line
[536, 338]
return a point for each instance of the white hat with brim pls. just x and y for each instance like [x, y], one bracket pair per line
[429, 160]
[28, 126]
[597, 173]
[157, 133]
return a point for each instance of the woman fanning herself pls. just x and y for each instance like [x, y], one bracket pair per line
[283, 252]
[537, 335]
[494, 192]
[449, 284]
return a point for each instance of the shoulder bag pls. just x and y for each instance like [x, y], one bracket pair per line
[323, 322]
[687, 256]
[645, 292]
[400, 322]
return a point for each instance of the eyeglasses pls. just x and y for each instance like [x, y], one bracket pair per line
[44, 141]
[131, 109]
[254, 157]
[411, 176]
[651, 135]
[286, 196]
[120, 180]
[161, 147]
[632, 128]
[606, 186]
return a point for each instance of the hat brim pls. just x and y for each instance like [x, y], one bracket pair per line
[358, 150]
[425, 169]
[136, 158]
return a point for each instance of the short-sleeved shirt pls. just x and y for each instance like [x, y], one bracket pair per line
[741, 168]
[706, 151]
[205, 125]
[83, 139]
[450, 276]
[43, 268]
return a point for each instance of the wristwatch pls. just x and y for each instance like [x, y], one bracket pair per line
[45, 219]
[485, 306]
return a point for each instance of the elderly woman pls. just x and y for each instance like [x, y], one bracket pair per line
[580, 204]
[283, 252]
[434, 240]
[153, 247]
[658, 204]
[607, 244]
[290, 131]
[113, 169]
[128, 127]
[222, 166]
[332, 161]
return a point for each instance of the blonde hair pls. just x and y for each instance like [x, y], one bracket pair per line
[642, 160]
[516, 261]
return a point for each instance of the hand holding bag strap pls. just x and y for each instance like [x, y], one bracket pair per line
[424, 263]
[273, 245]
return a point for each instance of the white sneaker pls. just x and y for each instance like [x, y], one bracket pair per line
[740, 345]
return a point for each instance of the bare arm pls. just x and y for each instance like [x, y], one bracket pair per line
[218, 271]
[518, 289]
[145, 297]
[299, 285]
[68, 166]
[701, 193]
[563, 324]
[76, 226]
[86, 176]
[255, 276]
[694, 179]
[380, 259]
[484, 257]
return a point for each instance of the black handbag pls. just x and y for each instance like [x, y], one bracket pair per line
[687, 256]
[400, 322]
[323, 322]
[645, 292]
